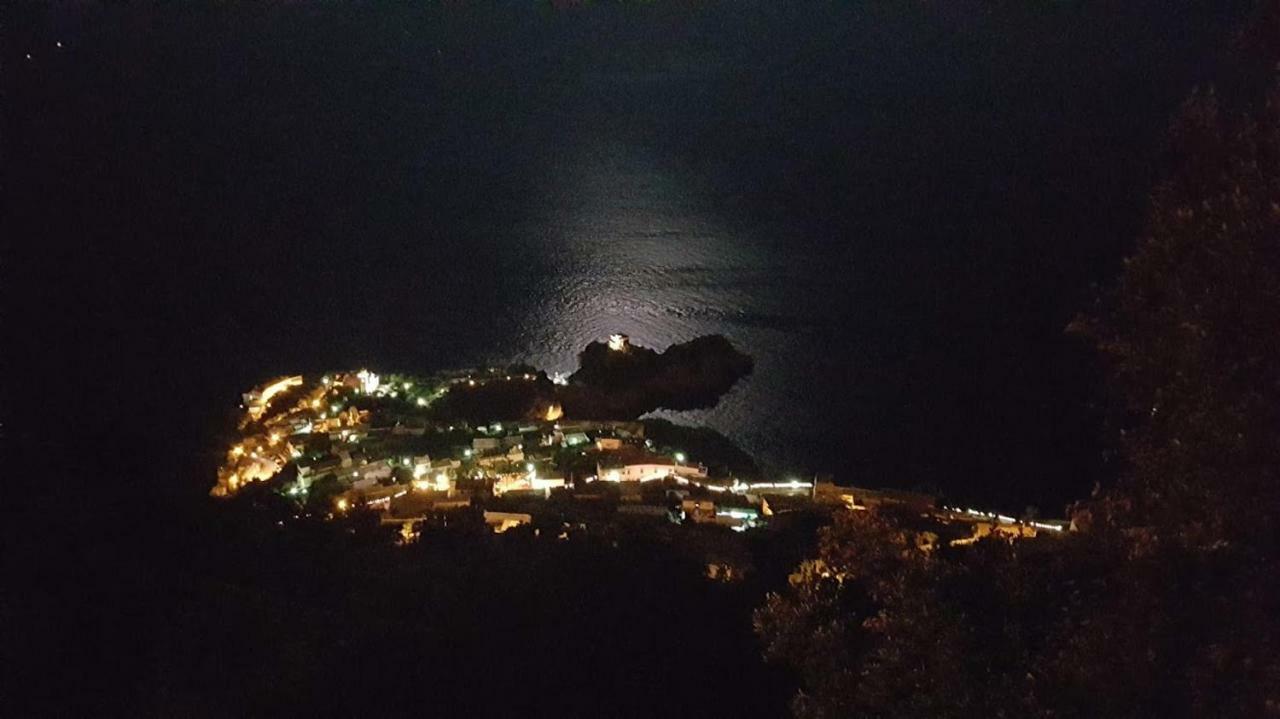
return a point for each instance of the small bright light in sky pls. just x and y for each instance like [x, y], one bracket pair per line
[59, 43]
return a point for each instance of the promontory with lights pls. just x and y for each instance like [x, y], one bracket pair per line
[512, 445]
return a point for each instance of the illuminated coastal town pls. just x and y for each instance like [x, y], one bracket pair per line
[497, 443]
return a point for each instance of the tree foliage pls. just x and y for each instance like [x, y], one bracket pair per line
[1190, 331]
[878, 626]
[1165, 603]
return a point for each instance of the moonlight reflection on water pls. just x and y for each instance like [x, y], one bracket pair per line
[638, 248]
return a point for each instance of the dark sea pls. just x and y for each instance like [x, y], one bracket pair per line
[894, 208]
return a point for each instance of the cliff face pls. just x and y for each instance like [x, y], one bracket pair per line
[623, 384]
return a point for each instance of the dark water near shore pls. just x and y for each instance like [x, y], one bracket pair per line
[896, 212]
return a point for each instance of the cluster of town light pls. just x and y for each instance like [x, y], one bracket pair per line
[256, 466]
[369, 382]
[422, 484]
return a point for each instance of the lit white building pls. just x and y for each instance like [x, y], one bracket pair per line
[646, 467]
[369, 475]
[526, 482]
